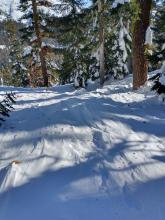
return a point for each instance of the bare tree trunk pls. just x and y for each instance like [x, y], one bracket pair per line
[39, 41]
[101, 42]
[140, 63]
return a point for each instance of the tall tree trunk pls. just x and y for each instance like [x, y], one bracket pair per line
[39, 41]
[101, 42]
[140, 63]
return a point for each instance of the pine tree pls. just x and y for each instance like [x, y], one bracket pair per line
[34, 34]
[19, 71]
[158, 56]
[73, 34]
[13, 49]
[78, 34]
[15, 62]
[118, 42]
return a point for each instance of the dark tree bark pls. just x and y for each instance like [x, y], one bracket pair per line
[140, 63]
[39, 41]
[101, 42]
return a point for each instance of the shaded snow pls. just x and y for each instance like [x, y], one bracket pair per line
[85, 155]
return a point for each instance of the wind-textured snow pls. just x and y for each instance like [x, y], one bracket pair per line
[83, 155]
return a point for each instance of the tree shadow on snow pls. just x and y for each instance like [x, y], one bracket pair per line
[76, 193]
[89, 111]
[90, 189]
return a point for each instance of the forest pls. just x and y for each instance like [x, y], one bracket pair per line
[82, 109]
[73, 41]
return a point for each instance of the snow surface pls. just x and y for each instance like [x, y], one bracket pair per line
[83, 155]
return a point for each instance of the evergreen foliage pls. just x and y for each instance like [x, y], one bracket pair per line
[78, 32]
[118, 42]
[73, 32]
[18, 70]
[71, 41]
[34, 34]
[6, 106]
[159, 36]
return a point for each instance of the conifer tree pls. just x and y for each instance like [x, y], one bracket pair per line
[34, 34]
[79, 38]
[118, 41]
[159, 36]
[18, 69]
[15, 62]
[73, 34]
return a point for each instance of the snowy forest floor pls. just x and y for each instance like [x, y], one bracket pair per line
[83, 155]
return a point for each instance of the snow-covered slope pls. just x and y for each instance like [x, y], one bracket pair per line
[83, 155]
